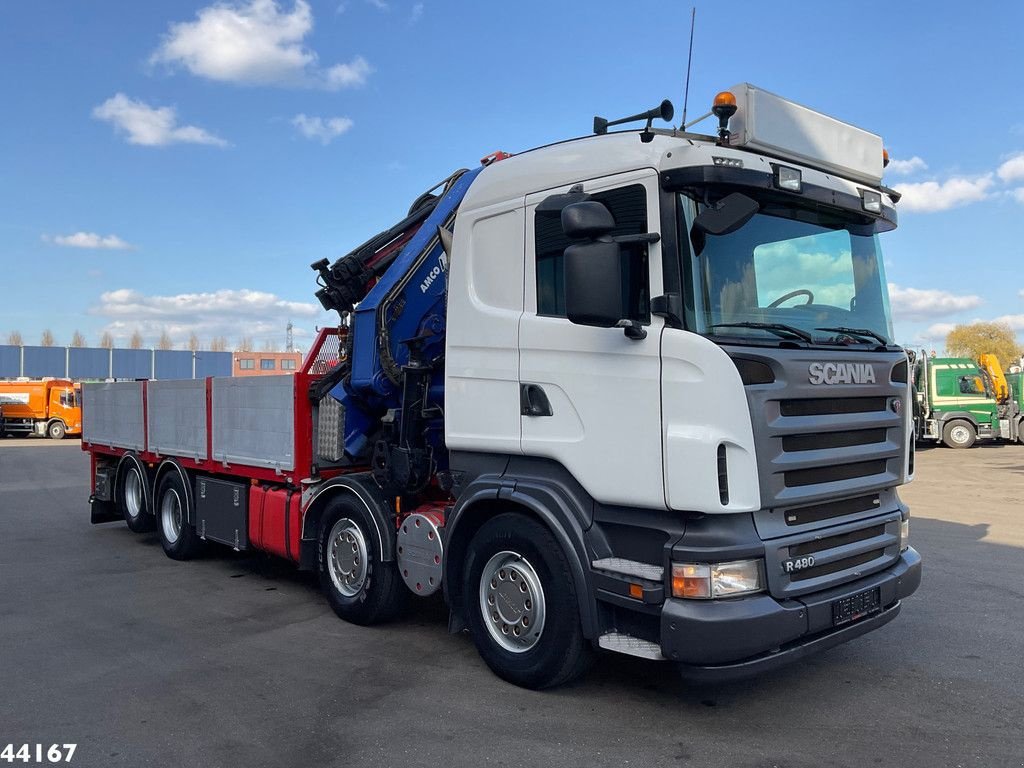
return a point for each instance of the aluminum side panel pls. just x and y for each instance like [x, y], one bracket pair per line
[112, 414]
[177, 418]
[254, 421]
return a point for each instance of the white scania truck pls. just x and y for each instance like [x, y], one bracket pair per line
[635, 391]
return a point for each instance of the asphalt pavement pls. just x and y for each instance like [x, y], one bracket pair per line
[236, 660]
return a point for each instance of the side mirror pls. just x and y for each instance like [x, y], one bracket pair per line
[586, 220]
[593, 283]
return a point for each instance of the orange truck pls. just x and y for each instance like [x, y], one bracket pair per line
[49, 407]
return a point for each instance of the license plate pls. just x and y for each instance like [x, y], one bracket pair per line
[847, 609]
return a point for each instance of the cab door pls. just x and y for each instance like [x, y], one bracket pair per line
[591, 397]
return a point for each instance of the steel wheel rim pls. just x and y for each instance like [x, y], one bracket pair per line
[170, 516]
[347, 557]
[512, 602]
[133, 493]
[960, 434]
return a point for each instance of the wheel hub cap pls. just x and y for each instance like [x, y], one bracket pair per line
[170, 516]
[512, 602]
[347, 557]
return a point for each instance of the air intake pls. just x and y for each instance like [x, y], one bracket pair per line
[723, 476]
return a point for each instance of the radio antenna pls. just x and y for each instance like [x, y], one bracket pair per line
[689, 61]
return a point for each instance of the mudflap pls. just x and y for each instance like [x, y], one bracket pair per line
[103, 511]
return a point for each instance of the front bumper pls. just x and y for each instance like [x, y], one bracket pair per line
[722, 640]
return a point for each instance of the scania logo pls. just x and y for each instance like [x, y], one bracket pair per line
[841, 373]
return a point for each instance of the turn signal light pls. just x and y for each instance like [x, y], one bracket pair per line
[691, 580]
[885, 157]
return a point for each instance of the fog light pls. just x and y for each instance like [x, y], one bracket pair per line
[872, 201]
[905, 535]
[703, 581]
[788, 178]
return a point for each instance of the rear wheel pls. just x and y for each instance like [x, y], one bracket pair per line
[56, 430]
[178, 537]
[521, 604]
[958, 434]
[359, 586]
[132, 500]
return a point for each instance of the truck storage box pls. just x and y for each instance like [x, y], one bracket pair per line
[221, 511]
[275, 521]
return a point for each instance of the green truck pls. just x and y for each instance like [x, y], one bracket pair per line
[958, 401]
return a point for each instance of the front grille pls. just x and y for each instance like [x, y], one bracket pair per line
[824, 440]
[832, 474]
[831, 405]
[815, 513]
[836, 566]
[841, 540]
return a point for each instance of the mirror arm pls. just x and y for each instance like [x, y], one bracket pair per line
[647, 238]
[633, 329]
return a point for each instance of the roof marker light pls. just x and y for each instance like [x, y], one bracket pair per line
[885, 157]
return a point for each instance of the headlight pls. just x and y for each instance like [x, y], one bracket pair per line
[704, 581]
[905, 535]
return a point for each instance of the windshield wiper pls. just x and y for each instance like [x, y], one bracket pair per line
[777, 328]
[862, 332]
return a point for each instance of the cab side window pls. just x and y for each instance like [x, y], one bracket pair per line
[628, 206]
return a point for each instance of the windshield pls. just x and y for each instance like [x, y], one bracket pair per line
[799, 274]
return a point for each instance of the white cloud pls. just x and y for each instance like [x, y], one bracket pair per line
[1014, 321]
[348, 75]
[923, 303]
[937, 332]
[1012, 169]
[254, 42]
[380, 5]
[416, 13]
[1018, 195]
[325, 129]
[151, 126]
[229, 313]
[906, 167]
[89, 240]
[930, 196]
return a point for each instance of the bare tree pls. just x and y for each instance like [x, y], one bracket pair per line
[14, 339]
[219, 344]
[270, 346]
[107, 340]
[165, 341]
[193, 342]
[136, 340]
[245, 344]
[78, 340]
[47, 339]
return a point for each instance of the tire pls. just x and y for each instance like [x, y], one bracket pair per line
[178, 538]
[56, 430]
[545, 646]
[131, 498]
[959, 434]
[359, 587]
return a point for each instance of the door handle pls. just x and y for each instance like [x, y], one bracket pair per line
[533, 401]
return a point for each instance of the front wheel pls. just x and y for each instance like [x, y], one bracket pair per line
[56, 430]
[958, 434]
[521, 604]
[178, 537]
[359, 586]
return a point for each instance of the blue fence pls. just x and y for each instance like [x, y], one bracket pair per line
[98, 363]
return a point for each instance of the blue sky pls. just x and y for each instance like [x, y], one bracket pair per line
[176, 165]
